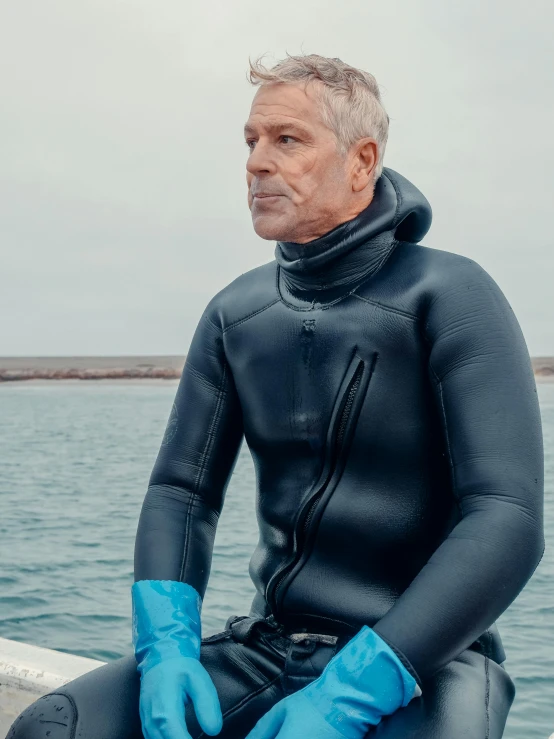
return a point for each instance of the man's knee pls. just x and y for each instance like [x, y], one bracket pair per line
[51, 717]
[101, 704]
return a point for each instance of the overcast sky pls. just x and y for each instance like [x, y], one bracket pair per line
[122, 163]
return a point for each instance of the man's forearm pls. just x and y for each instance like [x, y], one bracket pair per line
[467, 584]
[175, 537]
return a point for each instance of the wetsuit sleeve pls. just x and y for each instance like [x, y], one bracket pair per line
[486, 397]
[198, 453]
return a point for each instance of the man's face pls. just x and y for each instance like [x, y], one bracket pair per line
[298, 184]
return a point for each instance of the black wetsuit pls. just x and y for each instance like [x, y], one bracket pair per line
[386, 395]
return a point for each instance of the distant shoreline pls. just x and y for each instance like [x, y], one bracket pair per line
[136, 368]
[16, 369]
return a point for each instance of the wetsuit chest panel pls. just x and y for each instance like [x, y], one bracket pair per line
[290, 369]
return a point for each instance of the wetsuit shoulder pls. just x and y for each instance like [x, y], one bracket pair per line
[416, 275]
[444, 270]
[246, 295]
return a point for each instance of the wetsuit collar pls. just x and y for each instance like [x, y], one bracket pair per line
[356, 249]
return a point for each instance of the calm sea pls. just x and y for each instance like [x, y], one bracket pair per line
[75, 459]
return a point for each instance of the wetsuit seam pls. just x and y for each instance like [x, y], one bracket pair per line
[211, 431]
[427, 340]
[187, 538]
[487, 698]
[249, 316]
[448, 447]
[212, 324]
[428, 310]
[447, 437]
[334, 620]
[180, 490]
[396, 311]
[203, 378]
[248, 698]
[202, 467]
[73, 728]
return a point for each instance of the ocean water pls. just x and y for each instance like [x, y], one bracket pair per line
[75, 459]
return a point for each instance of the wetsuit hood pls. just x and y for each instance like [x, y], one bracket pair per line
[357, 248]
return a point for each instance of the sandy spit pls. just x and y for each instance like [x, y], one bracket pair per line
[136, 368]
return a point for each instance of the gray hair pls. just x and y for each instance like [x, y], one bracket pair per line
[350, 100]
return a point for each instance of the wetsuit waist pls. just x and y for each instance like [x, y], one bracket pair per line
[320, 629]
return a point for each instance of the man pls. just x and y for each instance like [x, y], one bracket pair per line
[386, 395]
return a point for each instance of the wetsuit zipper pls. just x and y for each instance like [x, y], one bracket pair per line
[340, 434]
[307, 516]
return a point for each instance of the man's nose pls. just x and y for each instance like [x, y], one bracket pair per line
[260, 160]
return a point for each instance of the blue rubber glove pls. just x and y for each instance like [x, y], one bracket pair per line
[167, 638]
[362, 683]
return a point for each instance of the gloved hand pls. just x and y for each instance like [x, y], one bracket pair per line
[362, 683]
[167, 638]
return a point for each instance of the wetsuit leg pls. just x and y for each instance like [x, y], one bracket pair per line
[469, 698]
[103, 704]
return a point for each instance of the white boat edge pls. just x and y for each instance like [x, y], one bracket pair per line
[27, 672]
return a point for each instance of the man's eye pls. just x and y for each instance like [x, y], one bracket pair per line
[250, 143]
[289, 139]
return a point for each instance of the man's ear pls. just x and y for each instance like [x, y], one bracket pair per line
[364, 164]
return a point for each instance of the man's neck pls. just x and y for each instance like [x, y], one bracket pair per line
[354, 210]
